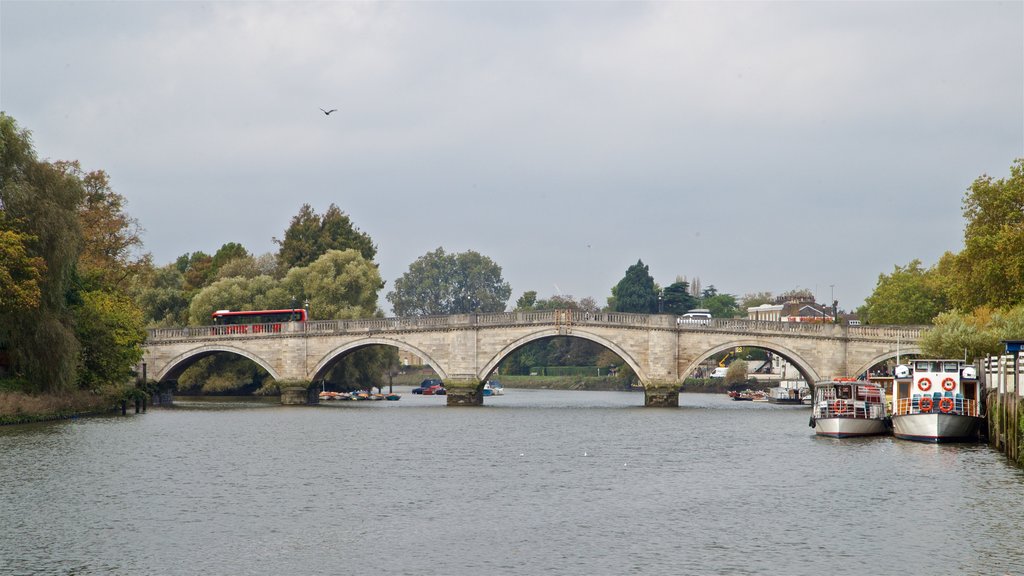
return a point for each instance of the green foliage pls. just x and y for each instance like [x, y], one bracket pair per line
[162, 297]
[990, 269]
[40, 201]
[736, 373]
[720, 305]
[636, 291]
[757, 299]
[109, 326]
[676, 298]
[238, 293]
[222, 373]
[310, 236]
[20, 273]
[111, 236]
[339, 284]
[527, 300]
[227, 253]
[910, 295]
[440, 283]
[980, 333]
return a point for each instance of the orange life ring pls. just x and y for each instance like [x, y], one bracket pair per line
[946, 405]
[926, 407]
[924, 384]
[839, 406]
[948, 384]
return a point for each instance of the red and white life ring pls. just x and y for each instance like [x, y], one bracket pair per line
[924, 384]
[948, 384]
[926, 404]
[839, 406]
[946, 405]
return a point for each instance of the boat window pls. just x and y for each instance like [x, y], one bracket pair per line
[950, 366]
[843, 392]
[920, 366]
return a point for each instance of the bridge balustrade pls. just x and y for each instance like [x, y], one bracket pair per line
[543, 317]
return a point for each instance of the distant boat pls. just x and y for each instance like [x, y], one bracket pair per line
[392, 397]
[789, 395]
[493, 388]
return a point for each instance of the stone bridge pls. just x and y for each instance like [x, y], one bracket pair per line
[465, 349]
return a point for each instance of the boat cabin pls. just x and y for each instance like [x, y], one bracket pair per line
[848, 398]
[947, 386]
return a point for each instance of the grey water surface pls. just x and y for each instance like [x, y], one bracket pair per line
[534, 482]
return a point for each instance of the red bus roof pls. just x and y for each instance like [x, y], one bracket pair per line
[299, 311]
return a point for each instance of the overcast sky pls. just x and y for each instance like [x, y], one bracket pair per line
[759, 146]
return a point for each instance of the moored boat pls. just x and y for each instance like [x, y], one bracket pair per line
[493, 388]
[846, 408]
[936, 401]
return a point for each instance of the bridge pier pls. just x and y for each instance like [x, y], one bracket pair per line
[662, 395]
[298, 396]
[464, 393]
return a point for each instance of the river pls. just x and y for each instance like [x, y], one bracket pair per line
[534, 482]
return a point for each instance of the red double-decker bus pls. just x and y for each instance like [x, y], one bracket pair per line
[255, 321]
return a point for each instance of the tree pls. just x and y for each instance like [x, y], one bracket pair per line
[440, 283]
[720, 305]
[41, 201]
[736, 373]
[110, 236]
[527, 300]
[161, 296]
[339, 284]
[109, 326]
[910, 295]
[676, 298]
[979, 333]
[636, 291]
[757, 299]
[309, 236]
[20, 273]
[228, 252]
[990, 269]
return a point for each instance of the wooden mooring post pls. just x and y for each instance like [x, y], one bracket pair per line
[1004, 401]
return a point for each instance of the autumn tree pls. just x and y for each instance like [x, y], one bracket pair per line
[20, 273]
[441, 283]
[109, 254]
[990, 269]
[40, 201]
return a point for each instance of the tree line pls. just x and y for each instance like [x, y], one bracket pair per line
[77, 291]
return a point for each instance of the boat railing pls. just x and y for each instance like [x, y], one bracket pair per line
[930, 405]
[840, 408]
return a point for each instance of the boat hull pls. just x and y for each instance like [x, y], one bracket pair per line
[849, 427]
[936, 427]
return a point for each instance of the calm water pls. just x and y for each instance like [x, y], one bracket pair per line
[536, 482]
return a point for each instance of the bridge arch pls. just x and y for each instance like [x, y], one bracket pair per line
[178, 364]
[321, 367]
[789, 355]
[904, 351]
[541, 334]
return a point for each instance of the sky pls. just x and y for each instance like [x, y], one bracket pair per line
[757, 146]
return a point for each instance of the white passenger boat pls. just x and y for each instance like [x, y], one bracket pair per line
[936, 401]
[848, 407]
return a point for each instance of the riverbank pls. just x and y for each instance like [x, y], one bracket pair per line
[21, 408]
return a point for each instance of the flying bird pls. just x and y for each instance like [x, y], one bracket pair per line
[328, 112]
